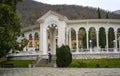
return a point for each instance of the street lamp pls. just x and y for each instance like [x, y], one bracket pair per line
[90, 45]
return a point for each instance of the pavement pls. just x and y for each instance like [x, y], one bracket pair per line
[50, 71]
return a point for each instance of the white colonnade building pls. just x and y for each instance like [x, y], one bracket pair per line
[82, 36]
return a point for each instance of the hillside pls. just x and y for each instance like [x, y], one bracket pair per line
[29, 11]
[117, 12]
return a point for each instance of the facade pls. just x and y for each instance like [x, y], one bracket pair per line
[83, 36]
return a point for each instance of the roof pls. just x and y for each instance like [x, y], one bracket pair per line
[61, 17]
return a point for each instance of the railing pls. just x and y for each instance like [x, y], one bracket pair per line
[95, 50]
[25, 53]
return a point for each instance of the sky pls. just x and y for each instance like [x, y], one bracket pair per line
[109, 5]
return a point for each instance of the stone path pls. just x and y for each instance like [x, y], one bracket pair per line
[48, 71]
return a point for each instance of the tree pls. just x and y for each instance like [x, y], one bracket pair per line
[64, 56]
[11, 3]
[99, 14]
[9, 26]
[107, 15]
[111, 37]
[102, 38]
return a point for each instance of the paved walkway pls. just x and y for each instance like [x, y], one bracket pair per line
[59, 72]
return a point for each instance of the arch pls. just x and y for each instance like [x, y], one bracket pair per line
[36, 41]
[52, 38]
[102, 37]
[92, 36]
[73, 39]
[82, 38]
[111, 37]
[118, 38]
[30, 44]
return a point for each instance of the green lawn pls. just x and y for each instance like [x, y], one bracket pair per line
[17, 63]
[95, 63]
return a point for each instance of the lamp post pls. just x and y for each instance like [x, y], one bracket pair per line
[90, 46]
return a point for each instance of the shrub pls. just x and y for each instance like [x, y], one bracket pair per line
[97, 65]
[64, 56]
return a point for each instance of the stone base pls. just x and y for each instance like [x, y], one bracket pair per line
[25, 57]
[96, 55]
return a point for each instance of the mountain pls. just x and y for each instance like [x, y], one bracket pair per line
[117, 12]
[29, 11]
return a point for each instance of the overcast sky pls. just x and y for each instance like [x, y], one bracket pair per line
[110, 5]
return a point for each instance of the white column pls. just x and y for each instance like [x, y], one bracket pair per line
[33, 39]
[51, 41]
[87, 39]
[107, 40]
[70, 39]
[77, 50]
[54, 42]
[115, 41]
[45, 48]
[97, 36]
[66, 37]
[119, 43]
[39, 42]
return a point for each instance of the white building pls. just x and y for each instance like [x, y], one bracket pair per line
[53, 30]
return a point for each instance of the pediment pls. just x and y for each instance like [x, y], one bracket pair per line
[51, 13]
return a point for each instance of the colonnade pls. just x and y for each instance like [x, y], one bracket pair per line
[116, 41]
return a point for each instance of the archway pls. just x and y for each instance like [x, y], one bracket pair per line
[118, 38]
[92, 37]
[102, 37]
[111, 38]
[36, 41]
[82, 38]
[73, 40]
[52, 38]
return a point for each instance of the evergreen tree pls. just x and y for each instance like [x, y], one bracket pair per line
[111, 37]
[99, 14]
[64, 56]
[107, 15]
[102, 38]
[9, 26]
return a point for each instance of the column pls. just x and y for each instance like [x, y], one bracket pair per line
[39, 42]
[77, 50]
[70, 39]
[115, 41]
[51, 41]
[33, 42]
[27, 46]
[97, 36]
[33, 39]
[107, 41]
[54, 42]
[45, 48]
[87, 39]
[119, 43]
[66, 37]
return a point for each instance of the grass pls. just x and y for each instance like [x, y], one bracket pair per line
[17, 63]
[95, 63]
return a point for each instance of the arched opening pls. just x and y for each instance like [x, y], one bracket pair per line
[111, 38]
[118, 38]
[92, 37]
[73, 40]
[82, 39]
[52, 38]
[36, 41]
[102, 37]
[30, 44]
